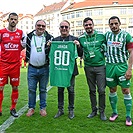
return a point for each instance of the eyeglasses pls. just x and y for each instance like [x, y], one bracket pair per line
[88, 24]
[113, 24]
[66, 27]
[39, 25]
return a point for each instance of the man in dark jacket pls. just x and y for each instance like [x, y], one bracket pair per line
[65, 36]
[38, 69]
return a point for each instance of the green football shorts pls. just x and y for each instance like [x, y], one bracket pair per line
[115, 75]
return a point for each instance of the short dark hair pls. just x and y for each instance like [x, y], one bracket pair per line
[114, 17]
[88, 18]
[12, 13]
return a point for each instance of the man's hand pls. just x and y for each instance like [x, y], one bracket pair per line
[49, 43]
[128, 74]
[77, 43]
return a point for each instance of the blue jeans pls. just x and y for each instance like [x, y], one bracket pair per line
[40, 77]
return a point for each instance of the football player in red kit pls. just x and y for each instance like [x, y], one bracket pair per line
[11, 41]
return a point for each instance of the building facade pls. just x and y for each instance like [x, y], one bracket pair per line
[52, 16]
[100, 11]
[75, 11]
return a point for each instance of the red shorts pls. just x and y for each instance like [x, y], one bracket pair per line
[10, 70]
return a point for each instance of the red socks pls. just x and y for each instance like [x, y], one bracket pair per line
[1, 99]
[14, 98]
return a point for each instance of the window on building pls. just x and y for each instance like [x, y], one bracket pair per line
[98, 12]
[64, 17]
[52, 22]
[99, 29]
[58, 21]
[26, 22]
[130, 30]
[123, 11]
[72, 32]
[106, 21]
[78, 23]
[79, 14]
[130, 11]
[72, 24]
[68, 16]
[123, 20]
[72, 15]
[131, 20]
[79, 32]
[111, 12]
[98, 21]
[88, 13]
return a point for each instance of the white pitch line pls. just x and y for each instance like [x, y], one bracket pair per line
[11, 119]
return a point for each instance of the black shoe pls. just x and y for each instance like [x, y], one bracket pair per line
[94, 113]
[103, 116]
[59, 113]
[13, 113]
[71, 115]
[0, 113]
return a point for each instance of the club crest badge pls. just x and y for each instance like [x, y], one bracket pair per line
[11, 37]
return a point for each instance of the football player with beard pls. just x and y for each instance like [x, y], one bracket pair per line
[118, 71]
[11, 41]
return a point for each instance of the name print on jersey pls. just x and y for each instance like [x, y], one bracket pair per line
[62, 46]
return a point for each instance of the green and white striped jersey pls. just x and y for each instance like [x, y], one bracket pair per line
[117, 47]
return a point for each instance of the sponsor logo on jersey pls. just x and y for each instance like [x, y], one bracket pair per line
[57, 68]
[128, 83]
[14, 79]
[122, 78]
[11, 46]
[109, 79]
[91, 42]
[6, 35]
[114, 44]
[17, 36]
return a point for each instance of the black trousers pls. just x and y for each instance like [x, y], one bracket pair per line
[70, 96]
[96, 79]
